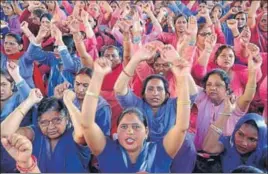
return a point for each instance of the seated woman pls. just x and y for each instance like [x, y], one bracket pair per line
[131, 152]
[156, 103]
[244, 146]
[54, 143]
[210, 101]
[14, 90]
[13, 53]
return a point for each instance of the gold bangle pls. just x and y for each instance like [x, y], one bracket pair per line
[216, 129]
[19, 110]
[225, 114]
[92, 94]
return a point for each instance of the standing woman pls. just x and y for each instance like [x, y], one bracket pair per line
[245, 146]
[131, 152]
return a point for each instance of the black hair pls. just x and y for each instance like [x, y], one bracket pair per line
[135, 111]
[155, 76]
[16, 37]
[218, 5]
[220, 49]
[223, 75]
[38, 12]
[178, 16]
[106, 47]
[241, 12]
[46, 15]
[52, 104]
[69, 42]
[86, 71]
[9, 79]
[246, 169]
[252, 123]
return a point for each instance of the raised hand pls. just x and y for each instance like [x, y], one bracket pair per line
[25, 27]
[245, 36]
[74, 26]
[102, 66]
[57, 34]
[59, 90]
[169, 54]
[229, 103]
[43, 32]
[254, 63]
[68, 95]
[84, 16]
[233, 10]
[192, 26]
[19, 148]
[204, 12]
[253, 50]
[35, 95]
[146, 52]
[181, 67]
[232, 24]
[13, 70]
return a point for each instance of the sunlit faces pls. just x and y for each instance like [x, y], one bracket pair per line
[81, 84]
[161, 67]
[226, 59]
[263, 23]
[155, 93]
[52, 124]
[246, 138]
[131, 132]
[11, 45]
[181, 24]
[113, 55]
[8, 10]
[6, 88]
[215, 88]
[241, 20]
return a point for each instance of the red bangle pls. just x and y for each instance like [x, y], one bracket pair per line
[127, 73]
[27, 170]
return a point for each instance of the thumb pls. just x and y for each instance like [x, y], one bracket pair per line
[5, 143]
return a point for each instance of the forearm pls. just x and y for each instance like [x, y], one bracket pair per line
[225, 17]
[70, 63]
[89, 32]
[193, 89]
[88, 114]
[24, 89]
[204, 57]
[121, 85]
[127, 49]
[183, 103]
[86, 59]
[75, 114]
[252, 13]
[208, 21]
[249, 93]
[12, 123]
[155, 22]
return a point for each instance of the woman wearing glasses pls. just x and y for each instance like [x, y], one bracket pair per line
[53, 144]
[210, 101]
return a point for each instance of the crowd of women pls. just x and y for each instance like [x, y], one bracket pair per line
[134, 86]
